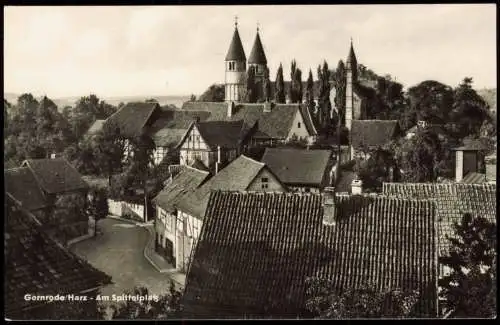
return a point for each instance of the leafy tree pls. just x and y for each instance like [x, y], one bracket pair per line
[279, 93]
[365, 302]
[84, 158]
[214, 93]
[311, 105]
[266, 86]
[380, 167]
[431, 101]
[69, 211]
[109, 149]
[467, 289]
[97, 207]
[167, 306]
[251, 88]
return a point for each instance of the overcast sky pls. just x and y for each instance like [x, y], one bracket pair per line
[179, 50]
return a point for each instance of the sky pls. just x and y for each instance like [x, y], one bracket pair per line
[180, 50]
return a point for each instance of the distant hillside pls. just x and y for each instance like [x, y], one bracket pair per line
[490, 96]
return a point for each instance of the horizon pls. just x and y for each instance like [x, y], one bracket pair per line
[138, 51]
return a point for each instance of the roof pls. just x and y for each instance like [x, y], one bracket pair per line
[474, 178]
[133, 117]
[96, 127]
[38, 265]
[257, 55]
[227, 134]
[351, 57]
[298, 166]
[453, 200]
[275, 124]
[198, 164]
[56, 175]
[187, 180]
[238, 175]
[168, 137]
[236, 51]
[372, 133]
[22, 185]
[256, 250]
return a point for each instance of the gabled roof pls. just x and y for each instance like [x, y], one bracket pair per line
[238, 175]
[187, 180]
[38, 265]
[23, 186]
[227, 134]
[236, 51]
[96, 127]
[372, 133]
[257, 55]
[453, 200]
[298, 166]
[55, 176]
[256, 250]
[133, 117]
[198, 164]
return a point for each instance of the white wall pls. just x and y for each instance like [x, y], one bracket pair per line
[298, 127]
[115, 207]
[273, 185]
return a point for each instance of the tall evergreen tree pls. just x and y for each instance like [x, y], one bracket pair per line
[298, 86]
[311, 105]
[324, 96]
[251, 88]
[266, 86]
[340, 87]
[279, 92]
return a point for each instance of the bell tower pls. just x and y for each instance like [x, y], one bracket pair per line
[351, 78]
[235, 68]
[257, 58]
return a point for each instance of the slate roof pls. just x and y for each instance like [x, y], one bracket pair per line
[372, 133]
[453, 200]
[299, 166]
[96, 127]
[257, 55]
[474, 178]
[238, 175]
[187, 180]
[56, 176]
[38, 265]
[236, 51]
[256, 250]
[22, 185]
[133, 117]
[275, 124]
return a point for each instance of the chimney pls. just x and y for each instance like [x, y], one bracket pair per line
[491, 168]
[267, 107]
[459, 165]
[230, 109]
[329, 208]
[52, 156]
[218, 162]
[356, 186]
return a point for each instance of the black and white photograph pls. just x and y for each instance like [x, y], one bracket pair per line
[250, 162]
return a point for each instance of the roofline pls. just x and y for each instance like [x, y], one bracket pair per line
[253, 160]
[196, 169]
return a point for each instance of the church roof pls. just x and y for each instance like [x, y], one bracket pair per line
[257, 55]
[236, 51]
[351, 57]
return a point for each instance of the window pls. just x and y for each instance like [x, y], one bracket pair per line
[265, 183]
[298, 125]
[232, 66]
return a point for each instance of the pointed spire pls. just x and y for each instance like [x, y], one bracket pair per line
[236, 51]
[351, 57]
[257, 55]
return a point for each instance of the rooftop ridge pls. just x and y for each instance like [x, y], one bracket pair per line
[253, 160]
[195, 169]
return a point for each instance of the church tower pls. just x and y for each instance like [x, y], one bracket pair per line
[257, 58]
[351, 79]
[235, 64]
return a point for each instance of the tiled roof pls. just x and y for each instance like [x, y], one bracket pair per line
[257, 54]
[453, 200]
[133, 117]
[372, 133]
[96, 127]
[238, 175]
[275, 124]
[56, 175]
[168, 137]
[187, 180]
[474, 178]
[299, 166]
[227, 134]
[256, 250]
[38, 265]
[236, 51]
[22, 185]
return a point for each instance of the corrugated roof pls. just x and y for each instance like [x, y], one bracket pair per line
[238, 175]
[257, 55]
[56, 175]
[372, 133]
[256, 250]
[187, 180]
[299, 166]
[236, 51]
[38, 265]
[23, 186]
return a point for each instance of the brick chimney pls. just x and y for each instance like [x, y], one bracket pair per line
[329, 208]
[230, 109]
[357, 186]
[267, 107]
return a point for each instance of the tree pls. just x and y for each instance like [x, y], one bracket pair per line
[365, 302]
[109, 149]
[97, 207]
[340, 95]
[431, 101]
[295, 92]
[467, 289]
[266, 86]
[380, 167]
[311, 105]
[69, 211]
[279, 93]
[214, 93]
[325, 106]
[251, 88]
[192, 98]
[166, 306]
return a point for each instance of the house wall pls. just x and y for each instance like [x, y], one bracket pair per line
[470, 162]
[115, 207]
[356, 106]
[298, 128]
[195, 147]
[187, 233]
[166, 230]
[272, 184]
[136, 208]
[303, 189]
